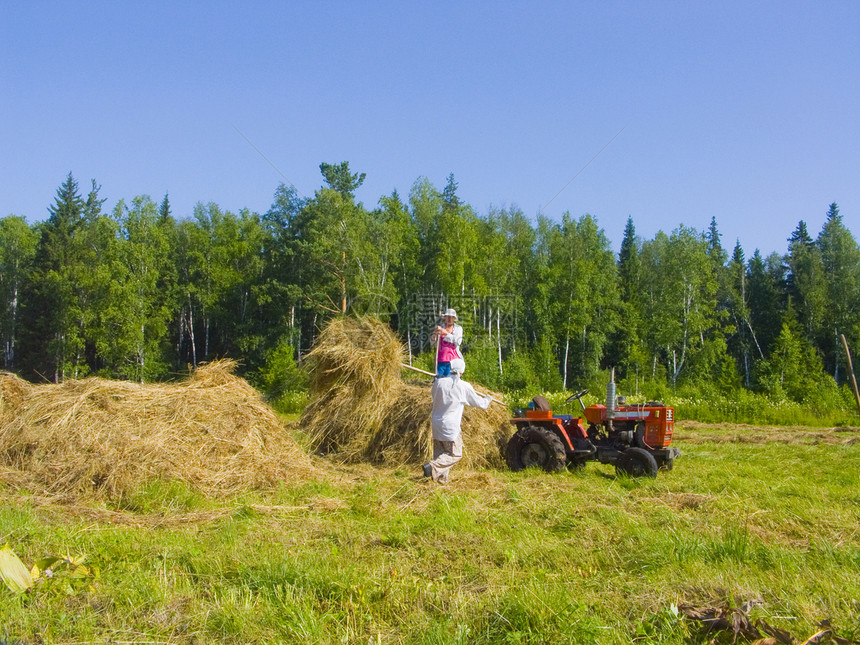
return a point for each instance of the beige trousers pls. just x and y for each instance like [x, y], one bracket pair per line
[445, 455]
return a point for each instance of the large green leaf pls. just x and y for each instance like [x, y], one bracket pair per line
[14, 573]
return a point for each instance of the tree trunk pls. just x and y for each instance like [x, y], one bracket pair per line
[10, 344]
[499, 338]
[343, 284]
[566, 354]
[191, 336]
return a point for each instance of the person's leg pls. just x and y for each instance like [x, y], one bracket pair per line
[445, 455]
[443, 368]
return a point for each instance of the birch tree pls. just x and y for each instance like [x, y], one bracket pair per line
[680, 303]
[139, 313]
[17, 250]
[584, 281]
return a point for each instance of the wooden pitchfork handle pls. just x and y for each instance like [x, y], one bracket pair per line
[420, 371]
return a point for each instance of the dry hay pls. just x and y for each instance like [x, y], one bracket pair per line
[13, 392]
[212, 432]
[362, 411]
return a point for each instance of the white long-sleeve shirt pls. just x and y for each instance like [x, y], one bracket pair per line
[450, 395]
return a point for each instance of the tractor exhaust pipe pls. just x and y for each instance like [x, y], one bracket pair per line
[610, 395]
[610, 402]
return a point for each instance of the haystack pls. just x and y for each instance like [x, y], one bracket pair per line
[212, 432]
[362, 410]
[13, 393]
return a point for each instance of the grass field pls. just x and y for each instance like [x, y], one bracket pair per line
[375, 555]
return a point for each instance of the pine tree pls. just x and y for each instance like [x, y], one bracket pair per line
[805, 282]
[624, 349]
[53, 343]
[340, 179]
[840, 259]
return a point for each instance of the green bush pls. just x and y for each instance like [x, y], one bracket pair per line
[282, 381]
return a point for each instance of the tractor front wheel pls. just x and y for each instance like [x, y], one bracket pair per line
[535, 446]
[636, 462]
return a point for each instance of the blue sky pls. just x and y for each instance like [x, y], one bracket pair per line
[744, 111]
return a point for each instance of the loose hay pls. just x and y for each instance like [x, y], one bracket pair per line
[212, 432]
[13, 392]
[362, 411]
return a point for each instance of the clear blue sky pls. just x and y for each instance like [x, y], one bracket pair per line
[745, 111]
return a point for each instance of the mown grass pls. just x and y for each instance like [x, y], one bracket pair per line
[370, 555]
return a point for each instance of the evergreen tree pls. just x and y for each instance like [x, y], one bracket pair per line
[624, 350]
[742, 342]
[449, 195]
[793, 369]
[629, 264]
[164, 212]
[340, 179]
[53, 342]
[766, 301]
[840, 259]
[805, 282]
[713, 248]
[718, 259]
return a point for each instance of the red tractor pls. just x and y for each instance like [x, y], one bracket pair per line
[636, 439]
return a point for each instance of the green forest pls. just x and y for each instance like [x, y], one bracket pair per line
[136, 292]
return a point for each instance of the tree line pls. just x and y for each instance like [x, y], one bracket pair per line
[137, 293]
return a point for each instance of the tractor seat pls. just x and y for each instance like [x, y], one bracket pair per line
[541, 403]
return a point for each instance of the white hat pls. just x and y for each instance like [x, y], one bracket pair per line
[450, 312]
[458, 366]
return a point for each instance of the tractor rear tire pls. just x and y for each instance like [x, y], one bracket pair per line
[636, 462]
[535, 446]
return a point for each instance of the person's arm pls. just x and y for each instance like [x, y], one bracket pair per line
[455, 338]
[473, 399]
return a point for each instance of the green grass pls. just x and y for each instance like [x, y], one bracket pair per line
[378, 556]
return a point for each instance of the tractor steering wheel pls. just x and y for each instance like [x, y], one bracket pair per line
[576, 396]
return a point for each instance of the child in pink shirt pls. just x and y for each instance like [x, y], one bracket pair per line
[449, 338]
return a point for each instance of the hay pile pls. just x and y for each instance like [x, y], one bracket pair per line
[212, 432]
[363, 411]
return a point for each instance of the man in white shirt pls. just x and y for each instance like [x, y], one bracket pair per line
[450, 395]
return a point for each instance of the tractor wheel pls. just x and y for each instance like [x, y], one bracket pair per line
[636, 462]
[535, 446]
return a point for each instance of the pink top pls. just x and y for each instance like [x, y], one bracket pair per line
[449, 347]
